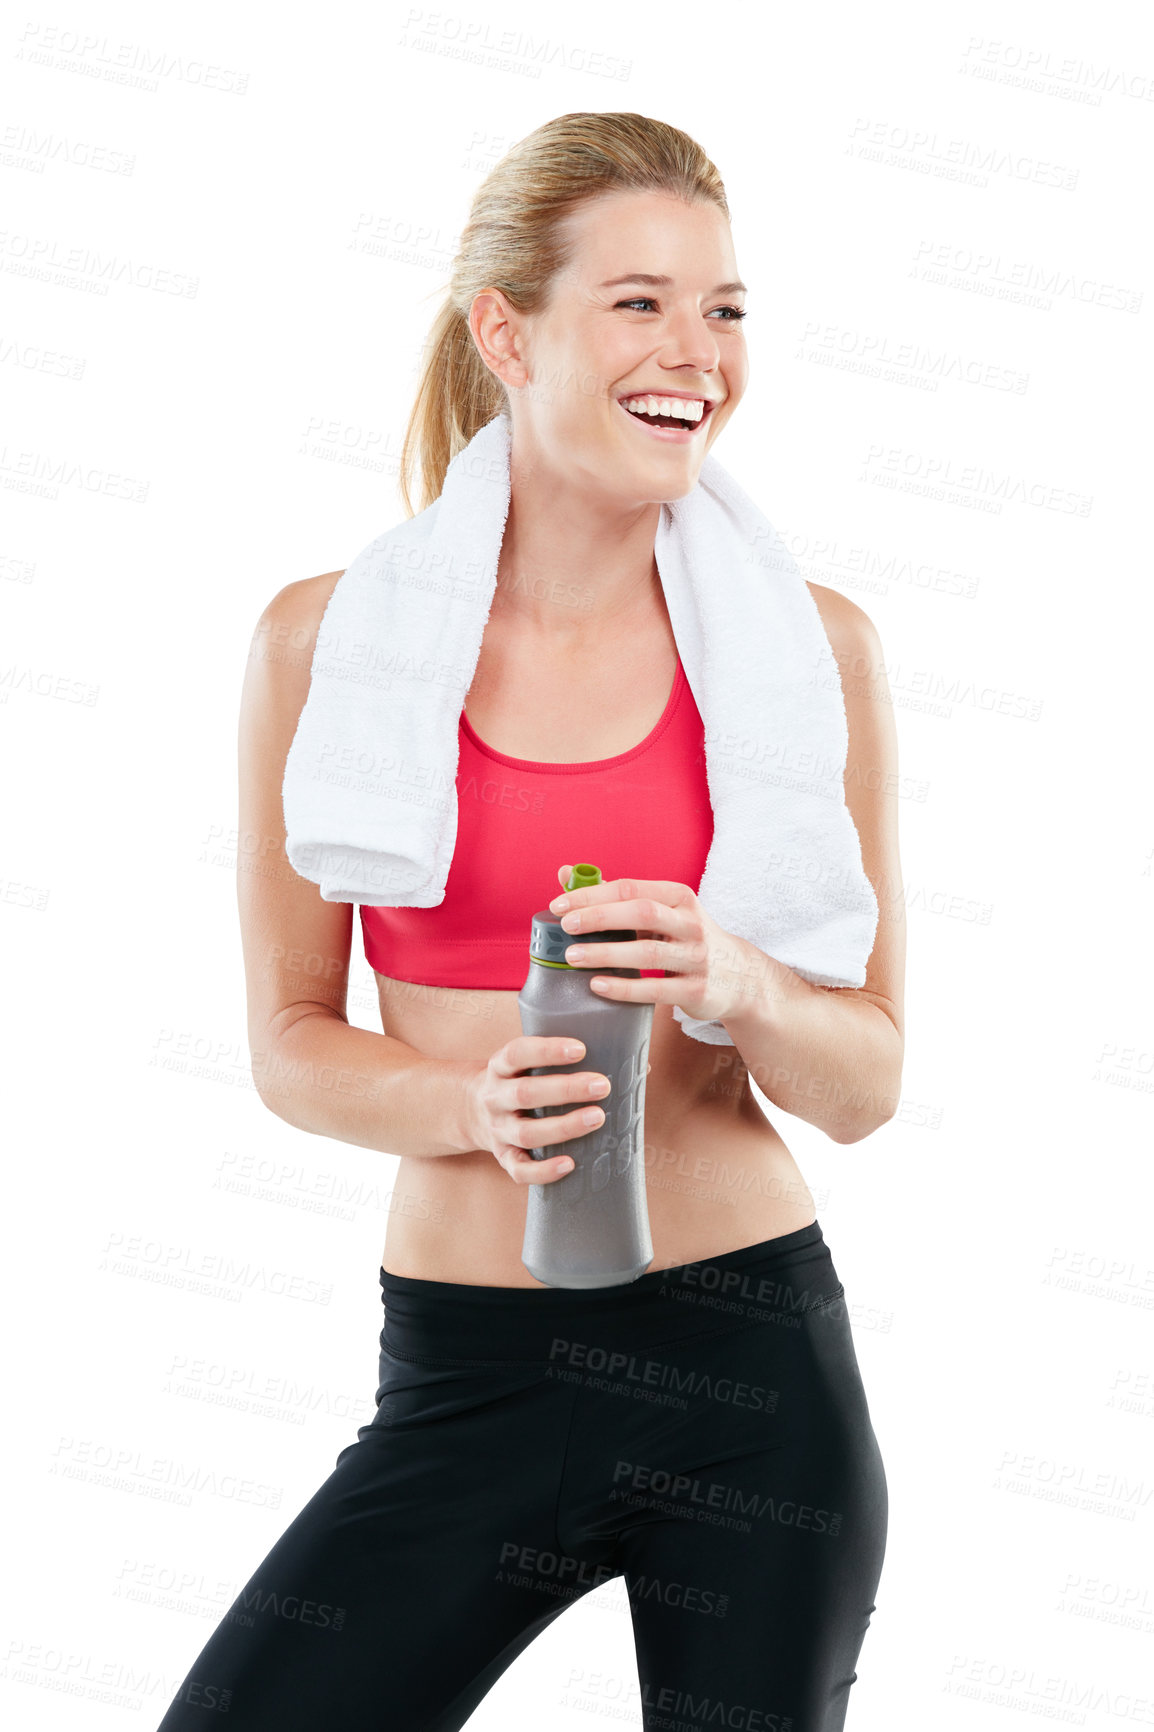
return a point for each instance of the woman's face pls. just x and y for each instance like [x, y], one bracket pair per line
[600, 341]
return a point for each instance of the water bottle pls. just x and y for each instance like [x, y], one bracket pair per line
[591, 1228]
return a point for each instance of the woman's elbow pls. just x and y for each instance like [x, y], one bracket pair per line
[876, 1105]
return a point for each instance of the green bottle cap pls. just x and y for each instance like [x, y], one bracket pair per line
[583, 874]
[548, 938]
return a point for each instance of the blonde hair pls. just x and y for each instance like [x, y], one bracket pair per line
[514, 241]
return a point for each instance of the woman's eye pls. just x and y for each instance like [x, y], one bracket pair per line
[648, 301]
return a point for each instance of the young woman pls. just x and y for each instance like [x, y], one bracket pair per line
[703, 1430]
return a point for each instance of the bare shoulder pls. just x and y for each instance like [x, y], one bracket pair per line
[280, 655]
[849, 628]
[298, 609]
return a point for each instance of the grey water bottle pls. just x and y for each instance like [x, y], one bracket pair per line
[591, 1228]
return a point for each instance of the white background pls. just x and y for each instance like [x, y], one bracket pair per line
[206, 366]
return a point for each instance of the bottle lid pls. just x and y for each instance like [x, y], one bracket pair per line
[548, 940]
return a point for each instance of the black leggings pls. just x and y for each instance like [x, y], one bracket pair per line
[702, 1431]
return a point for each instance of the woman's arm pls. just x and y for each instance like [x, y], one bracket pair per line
[310, 1067]
[832, 1055]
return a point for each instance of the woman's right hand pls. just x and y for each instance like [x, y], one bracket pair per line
[498, 1097]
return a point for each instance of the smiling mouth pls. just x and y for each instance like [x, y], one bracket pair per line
[675, 421]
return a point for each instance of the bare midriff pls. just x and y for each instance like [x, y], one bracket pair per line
[717, 1174]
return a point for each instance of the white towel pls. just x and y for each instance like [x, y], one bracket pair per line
[370, 800]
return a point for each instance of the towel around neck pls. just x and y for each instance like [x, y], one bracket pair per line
[369, 787]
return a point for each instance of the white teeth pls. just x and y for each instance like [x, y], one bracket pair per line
[686, 408]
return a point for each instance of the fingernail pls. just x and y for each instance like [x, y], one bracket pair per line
[559, 904]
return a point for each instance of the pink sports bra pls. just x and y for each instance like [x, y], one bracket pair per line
[644, 814]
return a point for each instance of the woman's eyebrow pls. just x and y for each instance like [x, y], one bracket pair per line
[664, 283]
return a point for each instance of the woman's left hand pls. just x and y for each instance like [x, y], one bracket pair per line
[709, 972]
